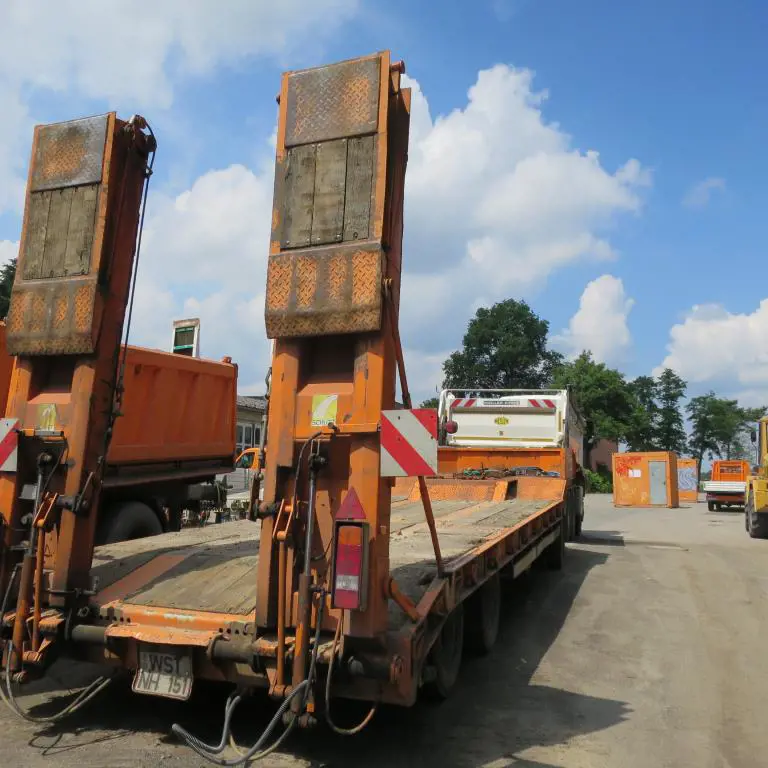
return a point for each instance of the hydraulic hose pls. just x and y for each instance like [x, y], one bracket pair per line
[335, 728]
[86, 695]
[256, 752]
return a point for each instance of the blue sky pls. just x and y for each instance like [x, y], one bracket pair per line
[644, 252]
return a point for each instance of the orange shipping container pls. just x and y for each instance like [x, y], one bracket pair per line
[645, 479]
[687, 480]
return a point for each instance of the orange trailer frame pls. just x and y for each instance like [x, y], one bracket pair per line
[261, 604]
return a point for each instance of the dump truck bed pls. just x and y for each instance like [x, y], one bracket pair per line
[214, 569]
[175, 408]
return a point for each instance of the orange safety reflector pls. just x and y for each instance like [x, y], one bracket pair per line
[350, 536]
[349, 566]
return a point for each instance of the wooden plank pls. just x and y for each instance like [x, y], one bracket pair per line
[330, 183]
[82, 221]
[299, 190]
[34, 238]
[357, 203]
[56, 233]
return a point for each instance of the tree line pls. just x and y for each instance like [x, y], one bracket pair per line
[506, 346]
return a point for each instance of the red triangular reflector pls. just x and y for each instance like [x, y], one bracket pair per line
[351, 508]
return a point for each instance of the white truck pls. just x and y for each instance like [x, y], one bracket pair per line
[515, 431]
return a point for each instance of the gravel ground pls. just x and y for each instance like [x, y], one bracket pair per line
[645, 652]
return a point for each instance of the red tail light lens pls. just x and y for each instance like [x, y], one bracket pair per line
[350, 566]
[451, 427]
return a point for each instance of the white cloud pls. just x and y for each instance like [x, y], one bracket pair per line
[700, 194]
[600, 323]
[115, 52]
[497, 198]
[8, 250]
[134, 58]
[726, 350]
[205, 256]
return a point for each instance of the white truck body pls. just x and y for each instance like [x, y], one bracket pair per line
[511, 418]
[724, 486]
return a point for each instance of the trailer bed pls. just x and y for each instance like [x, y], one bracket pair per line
[214, 569]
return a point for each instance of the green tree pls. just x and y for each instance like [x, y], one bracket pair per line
[703, 438]
[505, 347]
[643, 424]
[603, 397]
[719, 427]
[7, 275]
[670, 429]
[431, 402]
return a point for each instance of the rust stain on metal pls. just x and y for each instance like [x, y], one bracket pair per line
[332, 102]
[161, 635]
[322, 291]
[69, 154]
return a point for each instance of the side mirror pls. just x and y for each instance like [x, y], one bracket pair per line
[753, 436]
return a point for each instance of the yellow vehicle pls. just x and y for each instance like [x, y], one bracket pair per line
[248, 459]
[756, 504]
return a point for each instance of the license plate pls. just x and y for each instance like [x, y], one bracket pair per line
[165, 672]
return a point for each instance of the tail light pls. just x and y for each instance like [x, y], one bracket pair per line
[451, 427]
[350, 566]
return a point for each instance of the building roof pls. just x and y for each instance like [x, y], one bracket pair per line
[252, 402]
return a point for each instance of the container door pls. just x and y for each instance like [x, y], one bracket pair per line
[658, 473]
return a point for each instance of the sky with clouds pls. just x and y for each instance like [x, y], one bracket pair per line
[602, 162]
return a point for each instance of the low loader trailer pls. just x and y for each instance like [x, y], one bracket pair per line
[366, 573]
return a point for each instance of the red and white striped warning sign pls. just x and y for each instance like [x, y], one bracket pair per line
[9, 444]
[527, 402]
[409, 442]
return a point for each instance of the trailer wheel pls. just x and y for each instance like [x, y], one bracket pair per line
[555, 553]
[711, 506]
[126, 521]
[757, 524]
[444, 659]
[578, 512]
[481, 625]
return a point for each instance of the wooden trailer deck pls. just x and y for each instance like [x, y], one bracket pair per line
[214, 569]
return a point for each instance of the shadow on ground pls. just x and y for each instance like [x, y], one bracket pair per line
[496, 712]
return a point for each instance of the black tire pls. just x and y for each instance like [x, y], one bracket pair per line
[126, 521]
[555, 554]
[444, 658]
[578, 514]
[719, 507]
[711, 506]
[757, 524]
[481, 619]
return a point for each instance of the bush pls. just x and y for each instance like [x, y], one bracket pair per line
[597, 482]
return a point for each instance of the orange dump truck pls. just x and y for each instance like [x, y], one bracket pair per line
[727, 484]
[176, 432]
[341, 589]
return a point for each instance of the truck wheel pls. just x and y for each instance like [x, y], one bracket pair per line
[126, 521]
[444, 659]
[711, 506]
[757, 524]
[578, 512]
[483, 612]
[555, 554]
